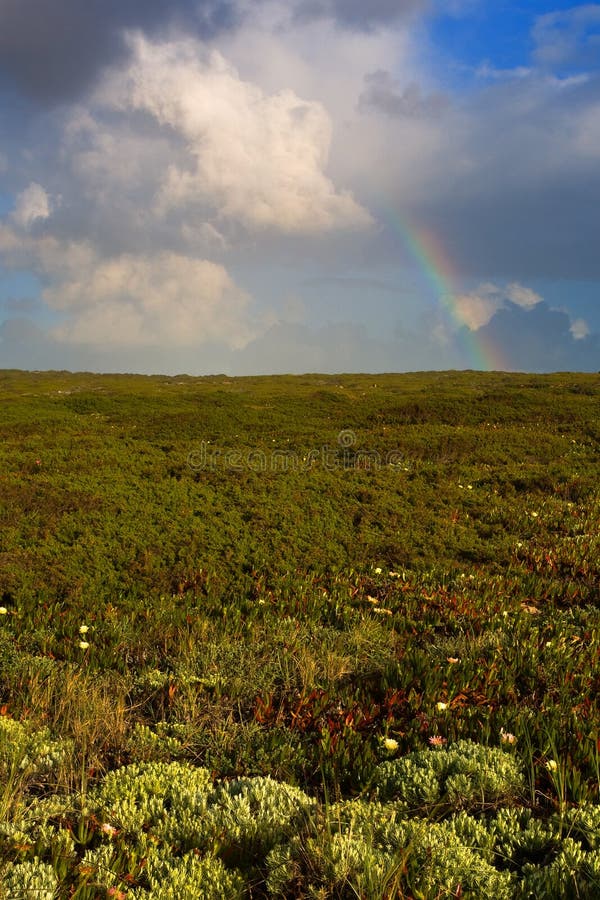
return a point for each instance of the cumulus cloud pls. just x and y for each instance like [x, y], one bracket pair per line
[257, 159]
[133, 300]
[579, 329]
[31, 205]
[166, 299]
[246, 154]
[173, 153]
[478, 307]
[524, 331]
[522, 296]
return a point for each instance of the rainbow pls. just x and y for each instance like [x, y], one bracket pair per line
[435, 265]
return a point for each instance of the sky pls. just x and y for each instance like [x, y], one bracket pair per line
[265, 186]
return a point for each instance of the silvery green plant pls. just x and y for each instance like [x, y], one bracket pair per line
[367, 849]
[192, 878]
[27, 757]
[162, 742]
[32, 752]
[465, 774]
[179, 804]
[573, 872]
[30, 880]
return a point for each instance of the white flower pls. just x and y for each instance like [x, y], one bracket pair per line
[83, 645]
[83, 629]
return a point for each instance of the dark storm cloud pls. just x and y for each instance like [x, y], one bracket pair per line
[540, 340]
[542, 226]
[52, 51]
[358, 14]
[544, 230]
[516, 193]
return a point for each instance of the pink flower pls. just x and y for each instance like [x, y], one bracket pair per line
[436, 740]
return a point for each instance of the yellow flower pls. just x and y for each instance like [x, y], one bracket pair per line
[390, 744]
[552, 765]
[83, 645]
[442, 706]
[83, 629]
[3, 610]
[378, 570]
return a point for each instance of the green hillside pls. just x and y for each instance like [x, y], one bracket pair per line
[348, 623]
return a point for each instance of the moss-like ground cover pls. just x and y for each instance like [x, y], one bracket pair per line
[299, 636]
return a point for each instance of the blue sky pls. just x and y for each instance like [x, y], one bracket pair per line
[311, 185]
[497, 33]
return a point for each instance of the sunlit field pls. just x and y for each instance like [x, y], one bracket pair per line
[312, 636]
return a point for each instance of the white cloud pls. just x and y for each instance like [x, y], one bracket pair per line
[162, 299]
[167, 299]
[522, 296]
[112, 156]
[31, 205]
[477, 308]
[579, 329]
[255, 158]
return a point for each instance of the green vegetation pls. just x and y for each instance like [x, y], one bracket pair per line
[299, 636]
